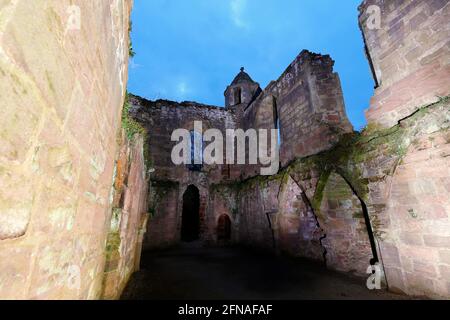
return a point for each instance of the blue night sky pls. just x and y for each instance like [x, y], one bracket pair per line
[191, 50]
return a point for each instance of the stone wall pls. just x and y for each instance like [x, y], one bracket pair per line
[297, 226]
[349, 200]
[413, 210]
[346, 199]
[162, 117]
[73, 206]
[169, 181]
[408, 189]
[307, 99]
[129, 219]
[62, 90]
[304, 213]
[256, 205]
[381, 195]
[221, 203]
[164, 225]
[409, 51]
[341, 214]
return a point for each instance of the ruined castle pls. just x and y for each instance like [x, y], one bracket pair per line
[87, 184]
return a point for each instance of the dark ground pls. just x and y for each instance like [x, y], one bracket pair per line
[190, 272]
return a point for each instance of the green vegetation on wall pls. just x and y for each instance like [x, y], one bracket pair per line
[130, 125]
[358, 151]
[133, 127]
[131, 51]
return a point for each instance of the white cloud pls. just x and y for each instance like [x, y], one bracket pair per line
[134, 65]
[237, 11]
[182, 89]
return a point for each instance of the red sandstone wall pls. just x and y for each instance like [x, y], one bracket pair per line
[410, 56]
[221, 202]
[169, 182]
[163, 226]
[310, 106]
[298, 230]
[406, 173]
[277, 215]
[162, 117]
[62, 92]
[416, 243]
[346, 238]
[409, 206]
[307, 98]
[166, 206]
[129, 220]
[257, 208]
[166, 209]
[274, 216]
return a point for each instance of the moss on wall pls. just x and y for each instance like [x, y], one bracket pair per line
[159, 189]
[131, 51]
[356, 151]
[133, 128]
[112, 246]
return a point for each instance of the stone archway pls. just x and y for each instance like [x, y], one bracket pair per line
[190, 223]
[224, 228]
[342, 217]
[298, 231]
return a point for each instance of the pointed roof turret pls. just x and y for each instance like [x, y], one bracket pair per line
[242, 77]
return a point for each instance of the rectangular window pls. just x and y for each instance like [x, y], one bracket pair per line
[196, 151]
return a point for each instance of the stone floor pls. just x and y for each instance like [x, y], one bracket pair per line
[192, 272]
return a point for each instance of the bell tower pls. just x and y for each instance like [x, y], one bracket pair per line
[241, 91]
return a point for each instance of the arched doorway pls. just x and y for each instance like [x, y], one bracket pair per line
[224, 228]
[190, 224]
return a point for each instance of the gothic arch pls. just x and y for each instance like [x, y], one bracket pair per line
[298, 231]
[343, 216]
[224, 228]
[190, 218]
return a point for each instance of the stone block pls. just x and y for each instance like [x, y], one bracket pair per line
[437, 241]
[444, 256]
[444, 272]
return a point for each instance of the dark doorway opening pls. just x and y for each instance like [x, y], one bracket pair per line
[224, 228]
[190, 224]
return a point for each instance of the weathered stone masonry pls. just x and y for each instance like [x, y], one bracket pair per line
[321, 203]
[129, 216]
[308, 87]
[75, 193]
[308, 101]
[169, 182]
[410, 54]
[344, 198]
[62, 91]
